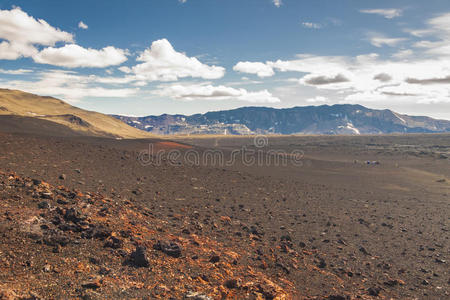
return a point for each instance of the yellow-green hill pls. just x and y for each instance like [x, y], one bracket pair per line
[18, 103]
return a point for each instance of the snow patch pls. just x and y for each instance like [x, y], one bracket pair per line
[352, 128]
[403, 121]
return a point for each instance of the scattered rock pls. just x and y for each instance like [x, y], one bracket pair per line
[231, 284]
[47, 195]
[47, 268]
[101, 232]
[62, 201]
[56, 238]
[137, 192]
[214, 259]
[138, 258]
[337, 297]
[113, 242]
[36, 181]
[374, 291]
[74, 215]
[43, 205]
[197, 296]
[321, 263]
[93, 285]
[363, 250]
[440, 261]
[62, 176]
[394, 282]
[168, 247]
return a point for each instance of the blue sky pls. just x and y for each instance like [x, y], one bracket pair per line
[170, 56]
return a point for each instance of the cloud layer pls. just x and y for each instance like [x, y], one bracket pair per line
[420, 74]
[200, 91]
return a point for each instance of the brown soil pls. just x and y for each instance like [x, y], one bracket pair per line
[74, 210]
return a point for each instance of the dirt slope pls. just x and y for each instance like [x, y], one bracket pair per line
[18, 103]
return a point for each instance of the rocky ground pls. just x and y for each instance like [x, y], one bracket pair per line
[84, 218]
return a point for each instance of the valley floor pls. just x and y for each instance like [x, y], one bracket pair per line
[344, 218]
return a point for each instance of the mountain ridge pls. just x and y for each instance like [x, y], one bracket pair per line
[325, 119]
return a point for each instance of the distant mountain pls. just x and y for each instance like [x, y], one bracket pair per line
[325, 119]
[28, 113]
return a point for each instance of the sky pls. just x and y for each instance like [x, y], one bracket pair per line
[150, 57]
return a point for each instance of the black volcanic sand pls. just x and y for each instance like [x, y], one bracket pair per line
[335, 225]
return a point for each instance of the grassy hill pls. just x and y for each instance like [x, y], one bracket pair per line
[18, 103]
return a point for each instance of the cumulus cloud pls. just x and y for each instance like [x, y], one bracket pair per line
[161, 62]
[21, 32]
[82, 25]
[74, 56]
[208, 91]
[277, 3]
[257, 68]
[387, 13]
[70, 86]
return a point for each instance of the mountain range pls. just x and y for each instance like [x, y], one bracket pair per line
[325, 119]
[29, 113]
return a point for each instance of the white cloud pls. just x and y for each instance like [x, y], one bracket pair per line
[82, 25]
[125, 69]
[421, 75]
[379, 40]
[402, 54]
[258, 68]
[208, 91]
[15, 72]
[162, 63]
[74, 56]
[277, 3]
[439, 30]
[312, 25]
[317, 99]
[21, 32]
[182, 1]
[387, 13]
[70, 86]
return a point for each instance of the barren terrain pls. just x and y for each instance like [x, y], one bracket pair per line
[90, 218]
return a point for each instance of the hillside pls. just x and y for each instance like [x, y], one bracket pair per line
[336, 119]
[21, 104]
